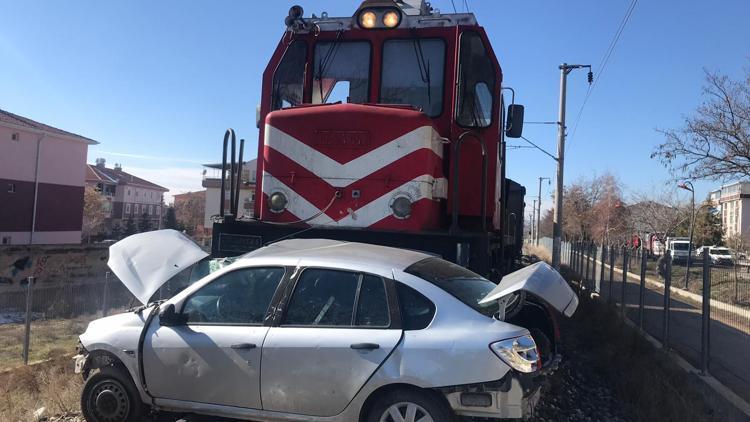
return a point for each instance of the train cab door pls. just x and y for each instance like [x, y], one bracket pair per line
[475, 131]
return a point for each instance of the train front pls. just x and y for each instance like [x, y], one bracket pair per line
[363, 122]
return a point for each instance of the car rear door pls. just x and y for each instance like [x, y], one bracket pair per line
[338, 327]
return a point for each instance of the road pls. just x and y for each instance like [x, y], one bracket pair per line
[730, 342]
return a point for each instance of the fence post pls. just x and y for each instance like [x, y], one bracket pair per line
[667, 292]
[601, 270]
[706, 315]
[594, 251]
[642, 288]
[105, 298]
[625, 258]
[611, 272]
[588, 264]
[27, 330]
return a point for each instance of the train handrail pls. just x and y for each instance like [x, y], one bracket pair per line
[456, 189]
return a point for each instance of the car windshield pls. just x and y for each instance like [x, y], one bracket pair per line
[465, 285]
[720, 251]
[682, 246]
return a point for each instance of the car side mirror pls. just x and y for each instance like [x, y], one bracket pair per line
[168, 317]
[514, 122]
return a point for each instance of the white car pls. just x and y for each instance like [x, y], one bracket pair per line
[320, 330]
[719, 255]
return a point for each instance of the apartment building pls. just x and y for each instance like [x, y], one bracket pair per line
[212, 183]
[42, 174]
[732, 202]
[127, 196]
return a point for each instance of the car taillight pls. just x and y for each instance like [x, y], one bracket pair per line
[520, 353]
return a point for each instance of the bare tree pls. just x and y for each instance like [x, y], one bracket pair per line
[714, 143]
[658, 212]
[94, 213]
[593, 209]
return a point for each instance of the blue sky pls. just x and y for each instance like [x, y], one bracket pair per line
[157, 83]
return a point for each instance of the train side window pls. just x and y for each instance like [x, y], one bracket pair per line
[476, 83]
[289, 79]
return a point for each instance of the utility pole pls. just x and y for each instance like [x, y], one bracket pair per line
[558, 217]
[539, 210]
[534, 229]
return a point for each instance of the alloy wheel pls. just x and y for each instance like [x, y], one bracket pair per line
[406, 412]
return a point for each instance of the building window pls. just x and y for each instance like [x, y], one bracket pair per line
[15, 136]
[128, 192]
[127, 208]
[150, 210]
[6, 240]
[11, 188]
[158, 210]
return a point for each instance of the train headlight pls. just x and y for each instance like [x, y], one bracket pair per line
[401, 207]
[368, 20]
[277, 202]
[391, 19]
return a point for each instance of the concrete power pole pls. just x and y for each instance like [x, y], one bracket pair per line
[539, 210]
[558, 218]
[533, 222]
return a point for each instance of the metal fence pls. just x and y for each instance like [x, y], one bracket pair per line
[40, 321]
[700, 311]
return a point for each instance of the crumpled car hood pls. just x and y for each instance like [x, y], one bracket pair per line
[541, 280]
[145, 261]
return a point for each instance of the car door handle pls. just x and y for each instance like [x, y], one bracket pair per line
[243, 346]
[365, 346]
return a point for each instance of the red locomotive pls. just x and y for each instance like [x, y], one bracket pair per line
[385, 127]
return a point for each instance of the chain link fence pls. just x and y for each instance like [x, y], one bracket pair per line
[700, 310]
[41, 321]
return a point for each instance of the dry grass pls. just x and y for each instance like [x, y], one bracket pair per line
[538, 251]
[51, 385]
[49, 338]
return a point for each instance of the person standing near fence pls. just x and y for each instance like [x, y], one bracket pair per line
[661, 266]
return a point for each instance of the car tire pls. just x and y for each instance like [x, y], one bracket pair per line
[418, 403]
[111, 396]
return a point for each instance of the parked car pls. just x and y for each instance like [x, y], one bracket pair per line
[321, 330]
[719, 255]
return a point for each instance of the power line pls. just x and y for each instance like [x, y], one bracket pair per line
[466, 4]
[603, 65]
[454, 6]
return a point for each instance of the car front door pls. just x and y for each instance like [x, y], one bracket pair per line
[336, 331]
[215, 357]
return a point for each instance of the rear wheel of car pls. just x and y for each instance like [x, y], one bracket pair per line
[409, 406]
[111, 396]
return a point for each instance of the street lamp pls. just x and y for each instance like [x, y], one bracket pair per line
[689, 187]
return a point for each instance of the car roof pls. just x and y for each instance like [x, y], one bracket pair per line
[344, 254]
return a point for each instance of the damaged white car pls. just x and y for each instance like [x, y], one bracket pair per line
[321, 330]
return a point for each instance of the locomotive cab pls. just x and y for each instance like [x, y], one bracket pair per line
[385, 127]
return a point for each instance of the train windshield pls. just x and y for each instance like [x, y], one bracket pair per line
[413, 73]
[341, 72]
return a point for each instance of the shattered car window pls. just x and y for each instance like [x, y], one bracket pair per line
[238, 297]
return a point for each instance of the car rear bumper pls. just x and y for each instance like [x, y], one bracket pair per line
[506, 400]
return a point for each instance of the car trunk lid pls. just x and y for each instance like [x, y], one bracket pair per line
[541, 280]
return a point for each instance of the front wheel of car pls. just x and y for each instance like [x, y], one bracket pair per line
[410, 406]
[110, 396]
